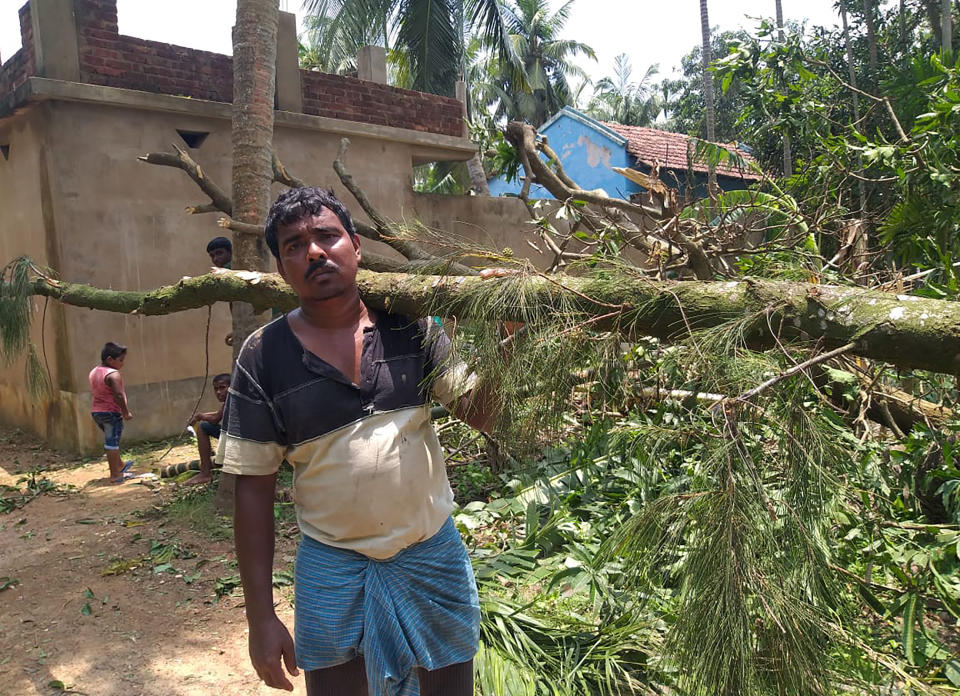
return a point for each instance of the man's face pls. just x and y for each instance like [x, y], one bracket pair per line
[116, 363]
[318, 257]
[220, 257]
[220, 389]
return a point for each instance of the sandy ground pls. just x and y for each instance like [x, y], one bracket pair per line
[145, 633]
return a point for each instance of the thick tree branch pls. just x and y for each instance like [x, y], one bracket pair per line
[181, 160]
[524, 138]
[239, 227]
[383, 231]
[907, 331]
[282, 176]
[201, 209]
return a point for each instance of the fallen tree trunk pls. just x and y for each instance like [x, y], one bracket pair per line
[907, 331]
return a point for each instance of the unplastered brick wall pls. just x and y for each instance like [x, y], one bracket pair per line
[109, 58]
[348, 98]
[21, 64]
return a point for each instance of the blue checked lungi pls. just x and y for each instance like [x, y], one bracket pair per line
[416, 609]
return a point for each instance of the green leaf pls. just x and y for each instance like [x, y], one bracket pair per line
[909, 619]
[951, 670]
[85, 609]
[872, 599]
[88, 593]
[57, 684]
[7, 582]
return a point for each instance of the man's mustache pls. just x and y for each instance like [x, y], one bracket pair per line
[319, 265]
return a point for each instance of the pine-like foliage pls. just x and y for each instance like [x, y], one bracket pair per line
[743, 544]
[14, 309]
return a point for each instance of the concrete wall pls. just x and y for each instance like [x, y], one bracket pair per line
[76, 198]
[28, 228]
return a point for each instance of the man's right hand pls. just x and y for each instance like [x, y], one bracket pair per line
[269, 642]
[127, 415]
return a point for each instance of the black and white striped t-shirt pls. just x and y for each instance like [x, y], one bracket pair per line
[369, 473]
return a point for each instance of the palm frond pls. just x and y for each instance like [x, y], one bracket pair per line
[427, 32]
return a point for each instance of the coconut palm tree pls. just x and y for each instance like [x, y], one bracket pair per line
[708, 92]
[430, 35]
[619, 99]
[536, 84]
[334, 35]
[254, 57]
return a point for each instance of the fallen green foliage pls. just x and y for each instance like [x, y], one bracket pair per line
[34, 485]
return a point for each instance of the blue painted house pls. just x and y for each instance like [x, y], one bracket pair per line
[589, 149]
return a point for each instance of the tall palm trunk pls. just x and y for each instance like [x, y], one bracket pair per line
[475, 170]
[787, 145]
[478, 175]
[852, 73]
[946, 29]
[254, 76]
[868, 14]
[708, 93]
[934, 17]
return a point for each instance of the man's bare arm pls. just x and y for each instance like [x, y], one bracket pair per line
[254, 539]
[115, 383]
[478, 409]
[209, 417]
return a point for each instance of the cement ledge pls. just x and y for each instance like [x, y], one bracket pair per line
[427, 146]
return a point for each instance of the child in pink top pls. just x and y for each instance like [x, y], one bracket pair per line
[109, 408]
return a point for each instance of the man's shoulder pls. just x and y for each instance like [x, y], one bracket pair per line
[265, 346]
[266, 337]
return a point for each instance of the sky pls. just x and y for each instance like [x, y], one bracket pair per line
[648, 31]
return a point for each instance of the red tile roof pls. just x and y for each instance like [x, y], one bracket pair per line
[651, 146]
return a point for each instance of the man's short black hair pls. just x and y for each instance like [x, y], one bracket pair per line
[297, 203]
[222, 377]
[112, 350]
[219, 243]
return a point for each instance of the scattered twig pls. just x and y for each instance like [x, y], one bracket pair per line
[787, 374]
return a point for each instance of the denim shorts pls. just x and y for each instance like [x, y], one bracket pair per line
[111, 424]
[211, 429]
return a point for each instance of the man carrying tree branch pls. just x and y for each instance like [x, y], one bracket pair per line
[386, 602]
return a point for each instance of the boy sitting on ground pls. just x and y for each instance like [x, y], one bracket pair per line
[207, 425]
[109, 408]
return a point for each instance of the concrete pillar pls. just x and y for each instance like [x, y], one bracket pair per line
[372, 64]
[55, 39]
[289, 92]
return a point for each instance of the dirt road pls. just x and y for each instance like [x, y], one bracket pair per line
[156, 629]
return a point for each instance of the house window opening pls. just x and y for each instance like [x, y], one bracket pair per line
[5, 151]
[193, 139]
[448, 178]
